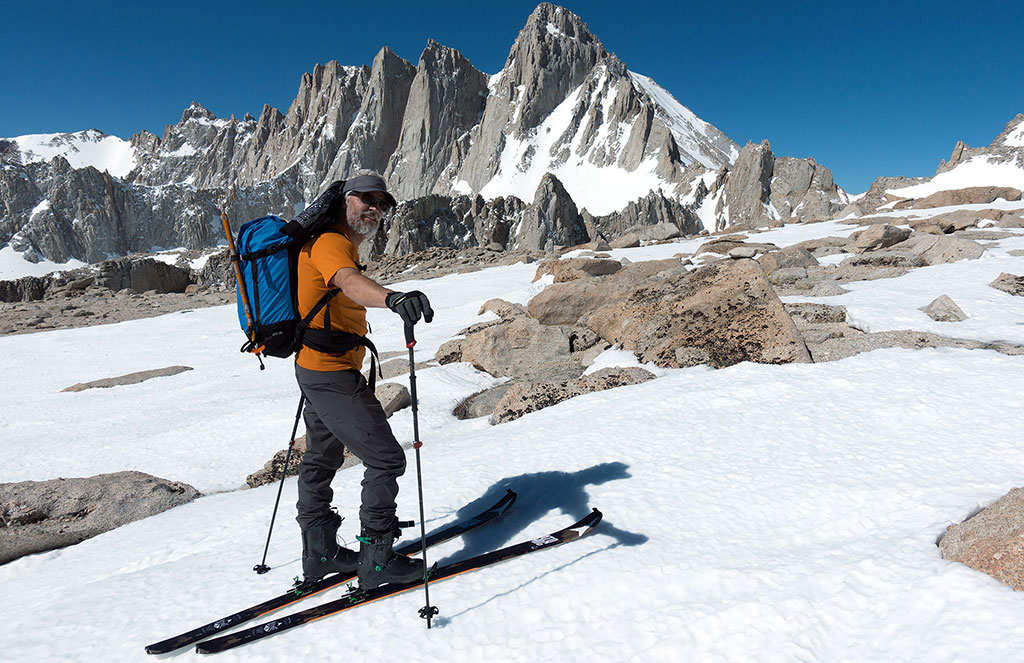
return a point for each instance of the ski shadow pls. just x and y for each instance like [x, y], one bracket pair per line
[540, 493]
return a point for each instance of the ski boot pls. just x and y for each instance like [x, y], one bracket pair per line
[321, 553]
[379, 563]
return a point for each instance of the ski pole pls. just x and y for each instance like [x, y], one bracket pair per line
[427, 611]
[262, 567]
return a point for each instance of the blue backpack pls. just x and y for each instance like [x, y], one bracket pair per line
[266, 259]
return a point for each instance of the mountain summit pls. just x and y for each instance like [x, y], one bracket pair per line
[563, 115]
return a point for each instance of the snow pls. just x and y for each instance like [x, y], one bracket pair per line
[682, 122]
[84, 148]
[754, 513]
[1016, 137]
[599, 190]
[14, 266]
[976, 171]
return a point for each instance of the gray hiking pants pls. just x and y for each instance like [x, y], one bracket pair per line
[341, 411]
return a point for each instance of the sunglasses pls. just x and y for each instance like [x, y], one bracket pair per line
[368, 199]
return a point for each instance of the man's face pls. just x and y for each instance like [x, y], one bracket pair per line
[363, 211]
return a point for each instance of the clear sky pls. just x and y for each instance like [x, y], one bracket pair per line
[866, 88]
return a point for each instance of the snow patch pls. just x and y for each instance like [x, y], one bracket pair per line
[1016, 137]
[976, 171]
[82, 149]
[14, 266]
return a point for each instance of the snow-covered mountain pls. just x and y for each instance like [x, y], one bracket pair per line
[476, 157]
[562, 105]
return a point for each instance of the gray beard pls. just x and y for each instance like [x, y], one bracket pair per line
[363, 227]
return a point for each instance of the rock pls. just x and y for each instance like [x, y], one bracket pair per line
[940, 249]
[791, 256]
[564, 303]
[880, 236]
[523, 346]
[576, 268]
[960, 219]
[450, 352]
[877, 265]
[626, 241]
[525, 397]
[728, 309]
[142, 275]
[787, 275]
[503, 309]
[749, 185]
[742, 252]
[1010, 283]
[130, 378]
[847, 342]
[271, 471]
[36, 516]
[1011, 221]
[816, 313]
[552, 219]
[992, 541]
[967, 196]
[724, 246]
[393, 397]
[944, 309]
[482, 403]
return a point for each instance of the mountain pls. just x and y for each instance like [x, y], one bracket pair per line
[564, 116]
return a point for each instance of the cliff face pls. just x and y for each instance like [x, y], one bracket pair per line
[564, 124]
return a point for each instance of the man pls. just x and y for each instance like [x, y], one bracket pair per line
[341, 410]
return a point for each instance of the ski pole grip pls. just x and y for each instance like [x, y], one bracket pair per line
[410, 339]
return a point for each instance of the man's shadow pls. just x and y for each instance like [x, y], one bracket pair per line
[538, 494]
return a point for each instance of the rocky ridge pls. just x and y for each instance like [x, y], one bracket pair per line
[447, 137]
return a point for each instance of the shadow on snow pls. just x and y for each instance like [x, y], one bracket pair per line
[540, 493]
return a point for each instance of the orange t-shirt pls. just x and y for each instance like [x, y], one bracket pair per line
[319, 260]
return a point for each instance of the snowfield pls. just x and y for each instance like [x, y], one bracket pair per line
[755, 513]
[81, 149]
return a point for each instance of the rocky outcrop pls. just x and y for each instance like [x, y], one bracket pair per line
[525, 397]
[446, 101]
[991, 541]
[576, 268]
[944, 309]
[646, 217]
[129, 378]
[719, 315]
[376, 131]
[551, 220]
[967, 196]
[1010, 283]
[523, 346]
[36, 516]
[879, 236]
[565, 303]
[760, 190]
[749, 186]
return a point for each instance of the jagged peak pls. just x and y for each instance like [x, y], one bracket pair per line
[548, 24]
[196, 111]
[1012, 134]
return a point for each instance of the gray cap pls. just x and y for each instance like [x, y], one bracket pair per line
[361, 183]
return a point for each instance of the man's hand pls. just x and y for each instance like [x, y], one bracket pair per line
[410, 305]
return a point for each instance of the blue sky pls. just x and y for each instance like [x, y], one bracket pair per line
[866, 88]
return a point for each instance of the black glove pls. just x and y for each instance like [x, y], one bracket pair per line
[410, 305]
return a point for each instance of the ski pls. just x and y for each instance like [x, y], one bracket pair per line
[362, 597]
[454, 530]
